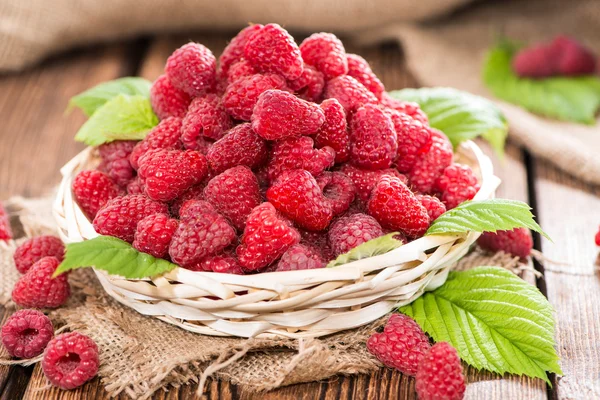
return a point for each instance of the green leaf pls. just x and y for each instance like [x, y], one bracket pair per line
[113, 256]
[485, 216]
[574, 99]
[495, 320]
[373, 247]
[124, 117]
[92, 99]
[460, 115]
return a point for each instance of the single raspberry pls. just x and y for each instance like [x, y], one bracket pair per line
[154, 233]
[429, 166]
[365, 180]
[240, 146]
[574, 59]
[38, 289]
[534, 62]
[267, 236]
[192, 68]
[597, 238]
[167, 174]
[457, 184]
[115, 161]
[401, 345]
[405, 107]
[298, 153]
[352, 230]
[517, 242]
[339, 189]
[273, 49]
[192, 207]
[300, 257]
[166, 100]
[310, 85]
[414, 139]
[206, 118]
[279, 115]
[349, 92]
[359, 69]
[135, 186]
[241, 96]
[326, 53]
[70, 360]
[165, 135]
[193, 193]
[373, 139]
[440, 374]
[235, 49]
[26, 333]
[333, 132]
[34, 249]
[92, 190]
[239, 70]
[222, 263]
[433, 205]
[120, 216]
[395, 207]
[5, 229]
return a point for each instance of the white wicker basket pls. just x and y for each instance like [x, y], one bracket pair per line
[306, 303]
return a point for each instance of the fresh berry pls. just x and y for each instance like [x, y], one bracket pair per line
[38, 289]
[70, 360]
[273, 49]
[414, 139]
[440, 374]
[166, 100]
[192, 68]
[534, 62]
[26, 333]
[429, 166]
[166, 135]
[433, 205]
[405, 107]
[135, 186]
[92, 190]
[310, 85]
[339, 189]
[154, 233]
[359, 69]
[115, 161]
[235, 49]
[597, 238]
[191, 208]
[573, 59]
[373, 140]
[298, 153]
[352, 230]
[239, 70]
[193, 193]
[222, 263]
[5, 230]
[326, 53]
[517, 242]
[240, 146]
[299, 257]
[365, 180]
[206, 118]
[34, 249]
[349, 92]
[457, 183]
[333, 132]
[241, 96]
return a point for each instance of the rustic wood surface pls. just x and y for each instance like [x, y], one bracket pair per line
[36, 140]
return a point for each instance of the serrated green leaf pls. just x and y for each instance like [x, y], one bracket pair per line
[113, 256]
[574, 99]
[124, 117]
[460, 115]
[373, 247]
[94, 98]
[495, 320]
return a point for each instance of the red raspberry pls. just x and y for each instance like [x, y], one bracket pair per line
[166, 135]
[326, 53]
[26, 333]
[359, 69]
[373, 140]
[272, 49]
[597, 238]
[191, 208]
[135, 186]
[401, 345]
[193, 193]
[235, 49]
[395, 207]
[223, 263]
[457, 183]
[298, 153]
[241, 96]
[352, 230]
[92, 190]
[120, 216]
[433, 205]
[154, 233]
[534, 62]
[240, 146]
[365, 180]
[333, 132]
[167, 174]
[349, 92]
[239, 70]
[5, 230]
[206, 118]
[38, 289]
[429, 166]
[115, 161]
[405, 107]
[517, 242]
[34, 249]
[70, 360]
[300, 257]
[440, 374]
[267, 236]
[192, 68]
[573, 59]
[339, 189]
[414, 139]
[310, 85]
[166, 100]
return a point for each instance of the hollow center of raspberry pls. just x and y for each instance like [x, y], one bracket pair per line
[68, 363]
[28, 335]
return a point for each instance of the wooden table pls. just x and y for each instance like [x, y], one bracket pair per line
[36, 140]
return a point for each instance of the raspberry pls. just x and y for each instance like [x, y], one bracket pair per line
[190, 208]
[433, 205]
[405, 107]
[239, 70]
[517, 242]
[223, 263]
[574, 59]
[206, 117]
[429, 166]
[193, 193]
[240, 146]
[241, 96]
[235, 49]
[395, 207]
[166, 100]
[534, 62]
[414, 139]
[272, 49]
[279, 115]
[333, 132]
[352, 230]
[166, 135]
[401, 345]
[457, 183]
[192, 69]
[365, 180]
[267, 236]
[135, 186]
[115, 161]
[349, 92]
[373, 140]
[339, 189]
[70, 360]
[34, 249]
[5, 230]
[38, 289]
[234, 193]
[92, 190]
[359, 69]
[597, 238]
[154, 233]
[120, 216]
[300, 257]
[167, 174]
[26, 333]
[298, 153]
[310, 85]
[326, 53]
[440, 374]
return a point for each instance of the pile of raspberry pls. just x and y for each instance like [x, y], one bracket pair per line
[277, 157]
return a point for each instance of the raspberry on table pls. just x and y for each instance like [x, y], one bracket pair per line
[352, 230]
[349, 92]
[166, 100]
[334, 132]
[240, 146]
[433, 205]
[517, 242]
[414, 139]
[223, 263]
[298, 153]
[153, 234]
[115, 161]
[365, 180]
[299, 257]
[70, 360]
[326, 53]
[206, 118]
[339, 189]
[192, 68]
[405, 107]
[135, 186]
[309, 86]
[5, 229]
[373, 139]
[359, 69]
[457, 184]
[429, 166]
[241, 96]
[26, 333]
[193, 193]
[38, 289]
[34, 249]
[440, 374]
[235, 49]
[239, 70]
[165, 135]
[92, 190]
